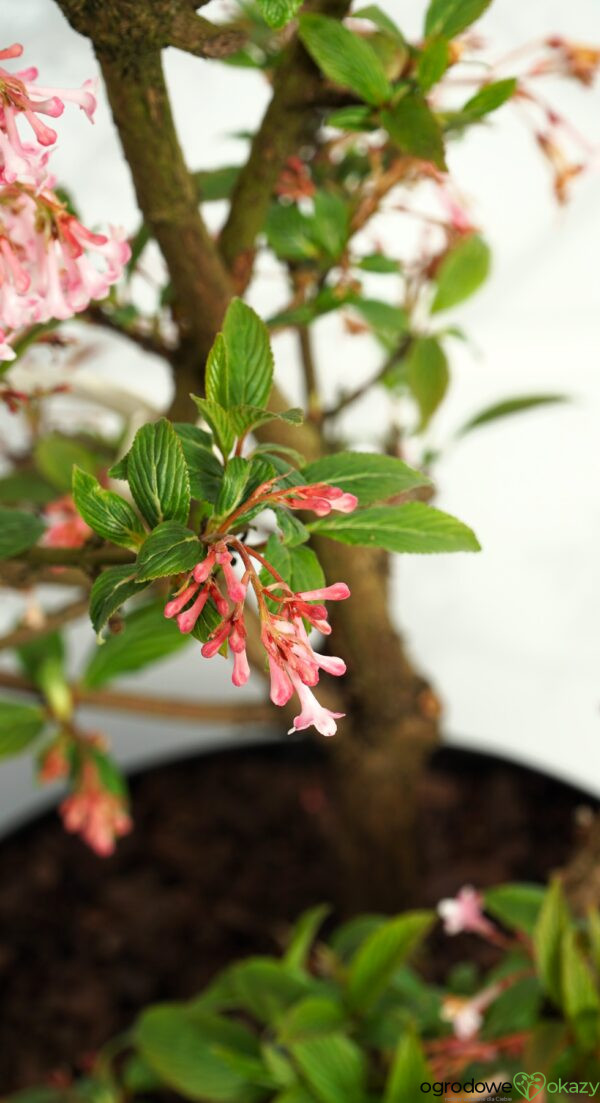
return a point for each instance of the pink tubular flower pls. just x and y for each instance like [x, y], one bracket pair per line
[66, 529]
[21, 97]
[313, 714]
[464, 913]
[466, 1014]
[98, 816]
[235, 588]
[321, 499]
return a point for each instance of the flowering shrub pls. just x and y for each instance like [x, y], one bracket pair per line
[353, 1019]
[235, 523]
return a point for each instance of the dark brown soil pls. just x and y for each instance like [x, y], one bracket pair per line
[227, 850]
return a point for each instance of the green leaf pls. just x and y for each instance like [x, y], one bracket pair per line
[315, 1015]
[25, 487]
[157, 474]
[292, 531]
[304, 934]
[358, 117]
[552, 922]
[432, 63]
[382, 953]
[106, 512]
[215, 184]
[381, 20]
[508, 406]
[580, 996]
[220, 422]
[19, 726]
[56, 455]
[190, 1053]
[428, 376]
[233, 487]
[368, 475]
[266, 988]
[18, 531]
[247, 375]
[489, 98]
[389, 323]
[146, 637]
[334, 1068]
[298, 566]
[412, 125]
[414, 527]
[345, 58]
[43, 660]
[290, 233]
[378, 262]
[111, 589]
[516, 1009]
[461, 273]
[205, 470]
[452, 17]
[279, 12]
[244, 418]
[330, 223]
[170, 549]
[218, 380]
[409, 1070]
[517, 906]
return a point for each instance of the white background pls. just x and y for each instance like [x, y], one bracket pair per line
[509, 637]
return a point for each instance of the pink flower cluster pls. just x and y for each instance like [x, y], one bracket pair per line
[293, 664]
[50, 265]
[66, 529]
[91, 811]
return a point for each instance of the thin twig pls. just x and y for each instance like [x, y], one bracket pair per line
[149, 342]
[173, 708]
[352, 396]
[311, 383]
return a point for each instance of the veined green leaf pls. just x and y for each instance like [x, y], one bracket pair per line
[516, 905]
[433, 62]
[279, 12]
[235, 480]
[110, 591]
[249, 363]
[580, 996]
[414, 527]
[106, 512]
[220, 422]
[368, 475]
[345, 58]
[298, 566]
[157, 474]
[552, 921]
[452, 17]
[204, 468]
[170, 549]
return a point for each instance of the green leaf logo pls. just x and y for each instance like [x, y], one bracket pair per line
[529, 1084]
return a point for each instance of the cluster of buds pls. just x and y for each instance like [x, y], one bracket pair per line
[51, 266]
[293, 664]
[90, 810]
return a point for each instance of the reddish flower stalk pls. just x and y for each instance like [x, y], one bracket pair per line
[294, 665]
